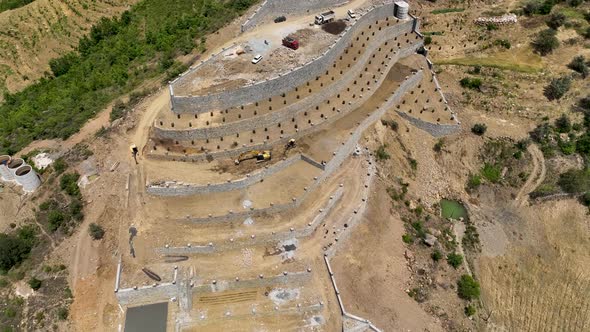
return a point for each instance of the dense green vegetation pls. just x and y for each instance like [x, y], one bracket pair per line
[546, 41]
[15, 248]
[112, 60]
[479, 129]
[468, 288]
[471, 83]
[454, 259]
[557, 87]
[13, 4]
[96, 232]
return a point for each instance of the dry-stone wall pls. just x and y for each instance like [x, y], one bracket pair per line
[434, 129]
[286, 7]
[285, 82]
[286, 113]
[171, 188]
[268, 145]
[331, 166]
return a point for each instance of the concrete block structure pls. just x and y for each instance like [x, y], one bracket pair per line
[5, 173]
[15, 169]
[26, 177]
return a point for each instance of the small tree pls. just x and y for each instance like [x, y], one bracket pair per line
[436, 255]
[427, 40]
[62, 313]
[556, 20]
[585, 199]
[454, 259]
[468, 288]
[35, 283]
[546, 42]
[563, 124]
[479, 129]
[579, 65]
[469, 310]
[558, 87]
[96, 232]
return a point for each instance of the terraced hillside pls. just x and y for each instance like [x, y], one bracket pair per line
[32, 35]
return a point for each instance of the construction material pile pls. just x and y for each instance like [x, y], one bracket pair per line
[504, 19]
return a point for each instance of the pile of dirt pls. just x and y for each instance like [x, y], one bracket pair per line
[335, 27]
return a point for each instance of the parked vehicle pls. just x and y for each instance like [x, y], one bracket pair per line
[257, 59]
[324, 18]
[280, 19]
[351, 13]
[291, 43]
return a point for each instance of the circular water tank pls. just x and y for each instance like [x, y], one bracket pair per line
[14, 164]
[5, 174]
[26, 177]
[401, 9]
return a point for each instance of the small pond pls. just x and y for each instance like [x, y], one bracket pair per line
[452, 209]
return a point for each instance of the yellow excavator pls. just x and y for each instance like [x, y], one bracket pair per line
[260, 156]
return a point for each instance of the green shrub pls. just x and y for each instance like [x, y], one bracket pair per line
[469, 310]
[492, 26]
[455, 260]
[436, 255]
[413, 163]
[503, 42]
[59, 166]
[3, 282]
[13, 250]
[545, 42]
[479, 129]
[69, 184]
[471, 83]
[575, 181]
[473, 181]
[585, 198]
[468, 288]
[579, 65]
[563, 124]
[35, 283]
[427, 40]
[381, 153]
[567, 148]
[491, 172]
[62, 313]
[408, 238]
[96, 231]
[439, 145]
[558, 87]
[391, 124]
[56, 219]
[556, 20]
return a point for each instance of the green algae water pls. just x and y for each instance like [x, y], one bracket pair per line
[452, 209]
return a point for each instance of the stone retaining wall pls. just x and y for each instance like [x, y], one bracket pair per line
[258, 240]
[170, 188]
[434, 129]
[287, 81]
[268, 145]
[339, 156]
[284, 114]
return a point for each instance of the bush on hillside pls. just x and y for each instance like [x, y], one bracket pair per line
[35, 283]
[563, 124]
[96, 231]
[546, 42]
[455, 260]
[479, 129]
[579, 65]
[558, 87]
[468, 288]
[556, 20]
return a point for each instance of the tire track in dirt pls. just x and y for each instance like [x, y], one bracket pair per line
[535, 178]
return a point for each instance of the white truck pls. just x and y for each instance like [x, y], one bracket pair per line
[324, 18]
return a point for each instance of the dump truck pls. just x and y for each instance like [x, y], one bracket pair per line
[260, 156]
[324, 18]
[291, 43]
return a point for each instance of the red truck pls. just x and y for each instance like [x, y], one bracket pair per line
[291, 43]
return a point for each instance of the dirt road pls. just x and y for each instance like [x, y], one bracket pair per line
[535, 178]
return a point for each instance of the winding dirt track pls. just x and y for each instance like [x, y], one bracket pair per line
[535, 178]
